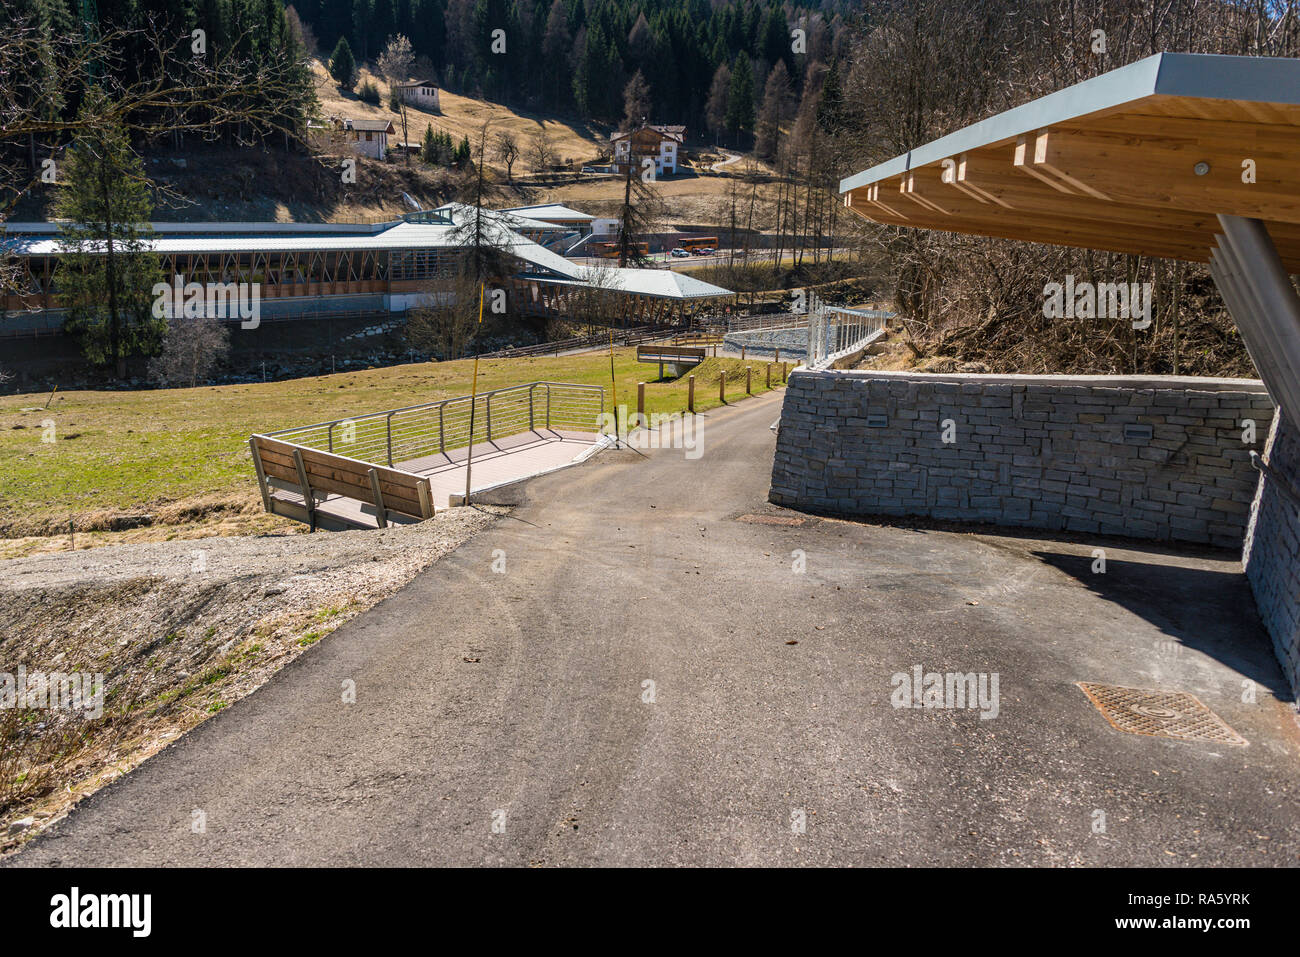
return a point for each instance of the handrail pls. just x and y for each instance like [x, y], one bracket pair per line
[395, 436]
[429, 405]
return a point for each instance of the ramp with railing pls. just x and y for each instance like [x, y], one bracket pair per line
[400, 465]
[818, 339]
[836, 333]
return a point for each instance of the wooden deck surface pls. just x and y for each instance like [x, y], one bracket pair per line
[504, 460]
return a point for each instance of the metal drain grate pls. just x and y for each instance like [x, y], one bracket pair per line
[771, 519]
[1163, 714]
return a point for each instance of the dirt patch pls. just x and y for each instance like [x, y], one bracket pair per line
[179, 631]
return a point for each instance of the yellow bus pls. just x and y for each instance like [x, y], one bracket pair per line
[610, 250]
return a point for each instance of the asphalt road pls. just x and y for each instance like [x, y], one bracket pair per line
[520, 699]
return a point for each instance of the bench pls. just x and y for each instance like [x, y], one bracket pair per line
[678, 358]
[344, 485]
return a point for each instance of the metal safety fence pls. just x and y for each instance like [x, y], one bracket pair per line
[433, 428]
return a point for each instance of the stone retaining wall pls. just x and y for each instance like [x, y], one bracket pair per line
[1159, 458]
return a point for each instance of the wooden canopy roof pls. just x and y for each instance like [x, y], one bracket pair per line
[1138, 160]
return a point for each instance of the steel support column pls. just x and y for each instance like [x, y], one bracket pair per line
[1271, 309]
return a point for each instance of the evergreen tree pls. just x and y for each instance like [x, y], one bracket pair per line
[831, 105]
[107, 273]
[343, 67]
[740, 97]
[557, 44]
[429, 146]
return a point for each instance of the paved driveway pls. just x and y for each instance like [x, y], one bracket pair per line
[520, 699]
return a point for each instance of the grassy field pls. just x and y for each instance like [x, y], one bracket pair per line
[182, 454]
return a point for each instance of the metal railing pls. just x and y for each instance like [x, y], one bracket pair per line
[835, 332]
[784, 320]
[437, 428]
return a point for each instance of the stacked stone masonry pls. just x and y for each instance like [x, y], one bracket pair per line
[1160, 458]
[1272, 553]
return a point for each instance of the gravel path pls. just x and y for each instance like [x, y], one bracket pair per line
[399, 552]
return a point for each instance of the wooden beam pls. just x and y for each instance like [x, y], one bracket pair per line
[1150, 170]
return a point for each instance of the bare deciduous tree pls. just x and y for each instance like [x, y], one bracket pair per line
[507, 150]
[191, 349]
[395, 65]
[448, 321]
[541, 154]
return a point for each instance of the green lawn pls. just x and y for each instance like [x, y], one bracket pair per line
[121, 450]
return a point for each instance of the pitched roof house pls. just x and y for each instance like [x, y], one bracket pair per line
[648, 140]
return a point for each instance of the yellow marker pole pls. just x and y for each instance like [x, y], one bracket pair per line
[613, 383]
[473, 394]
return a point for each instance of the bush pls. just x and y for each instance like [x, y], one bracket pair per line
[368, 92]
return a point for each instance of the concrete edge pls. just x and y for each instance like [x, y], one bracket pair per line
[455, 500]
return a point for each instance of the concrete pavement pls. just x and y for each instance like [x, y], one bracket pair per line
[652, 680]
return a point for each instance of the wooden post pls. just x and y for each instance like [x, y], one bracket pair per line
[690, 395]
[308, 496]
[722, 387]
[785, 375]
[381, 514]
[640, 398]
[742, 353]
[778, 356]
[261, 474]
[748, 380]
[769, 375]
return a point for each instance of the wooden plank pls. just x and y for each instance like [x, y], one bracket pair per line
[426, 500]
[341, 462]
[380, 516]
[322, 484]
[261, 474]
[401, 494]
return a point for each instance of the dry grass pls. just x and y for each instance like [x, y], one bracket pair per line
[461, 116]
[175, 644]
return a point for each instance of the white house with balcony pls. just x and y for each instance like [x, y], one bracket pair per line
[648, 141]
